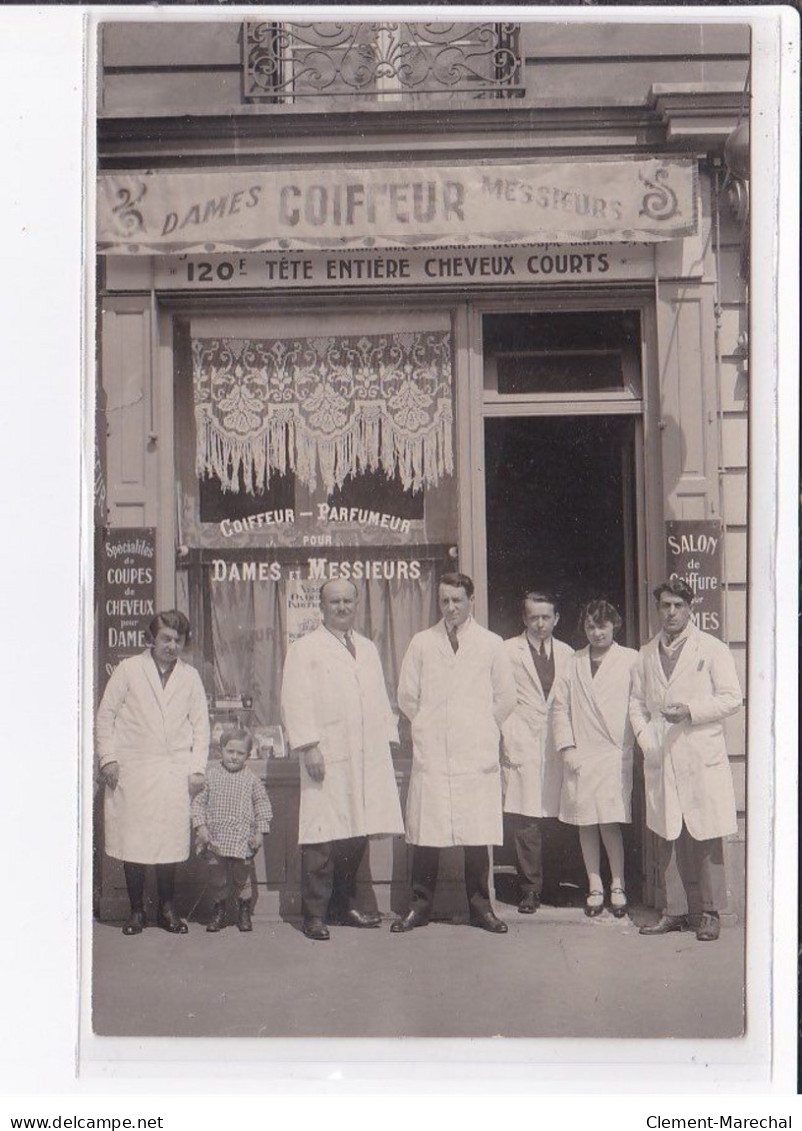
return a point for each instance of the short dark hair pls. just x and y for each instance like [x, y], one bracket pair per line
[171, 618]
[677, 587]
[600, 611]
[236, 734]
[458, 581]
[329, 580]
[540, 595]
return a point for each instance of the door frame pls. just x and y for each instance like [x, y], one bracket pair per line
[473, 408]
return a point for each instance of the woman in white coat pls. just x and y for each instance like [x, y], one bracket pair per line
[592, 730]
[152, 730]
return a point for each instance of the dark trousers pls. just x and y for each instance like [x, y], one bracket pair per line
[527, 839]
[228, 875]
[135, 883]
[692, 874]
[328, 876]
[425, 866]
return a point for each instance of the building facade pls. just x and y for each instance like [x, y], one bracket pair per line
[380, 300]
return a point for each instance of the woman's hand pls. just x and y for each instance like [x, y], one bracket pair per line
[110, 773]
[196, 783]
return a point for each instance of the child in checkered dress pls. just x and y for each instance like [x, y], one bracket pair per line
[230, 816]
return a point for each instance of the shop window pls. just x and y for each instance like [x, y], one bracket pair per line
[277, 415]
[562, 353]
[375, 491]
[217, 504]
[285, 62]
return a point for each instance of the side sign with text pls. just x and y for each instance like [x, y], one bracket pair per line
[128, 583]
[693, 552]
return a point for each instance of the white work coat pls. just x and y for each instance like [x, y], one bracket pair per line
[158, 736]
[591, 713]
[340, 703]
[534, 774]
[686, 767]
[456, 703]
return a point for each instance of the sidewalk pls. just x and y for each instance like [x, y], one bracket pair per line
[555, 974]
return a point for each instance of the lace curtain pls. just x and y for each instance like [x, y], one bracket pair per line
[324, 406]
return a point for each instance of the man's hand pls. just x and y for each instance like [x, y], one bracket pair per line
[255, 842]
[110, 773]
[570, 760]
[315, 766]
[196, 783]
[676, 712]
[202, 837]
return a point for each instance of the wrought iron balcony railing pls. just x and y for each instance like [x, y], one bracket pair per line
[287, 62]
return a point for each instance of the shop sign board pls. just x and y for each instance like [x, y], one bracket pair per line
[694, 553]
[534, 265]
[626, 200]
[128, 584]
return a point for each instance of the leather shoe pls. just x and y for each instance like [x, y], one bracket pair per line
[244, 922]
[490, 922]
[218, 919]
[410, 921]
[709, 927]
[664, 925]
[136, 924]
[529, 904]
[316, 929]
[356, 918]
[169, 921]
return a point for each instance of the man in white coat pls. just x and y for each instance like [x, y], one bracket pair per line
[456, 687]
[339, 720]
[533, 768]
[152, 733]
[684, 684]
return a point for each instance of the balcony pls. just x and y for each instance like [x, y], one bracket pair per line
[381, 62]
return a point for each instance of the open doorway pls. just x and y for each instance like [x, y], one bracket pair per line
[561, 515]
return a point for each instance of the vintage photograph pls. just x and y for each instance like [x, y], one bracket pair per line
[420, 530]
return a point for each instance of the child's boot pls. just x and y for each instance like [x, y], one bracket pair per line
[218, 918]
[244, 917]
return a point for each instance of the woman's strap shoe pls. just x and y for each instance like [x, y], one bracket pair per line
[618, 902]
[594, 904]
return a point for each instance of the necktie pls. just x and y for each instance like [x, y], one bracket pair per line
[349, 644]
[452, 636]
[543, 649]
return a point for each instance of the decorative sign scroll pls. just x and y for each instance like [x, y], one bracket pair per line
[693, 552]
[333, 405]
[424, 206]
[128, 584]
